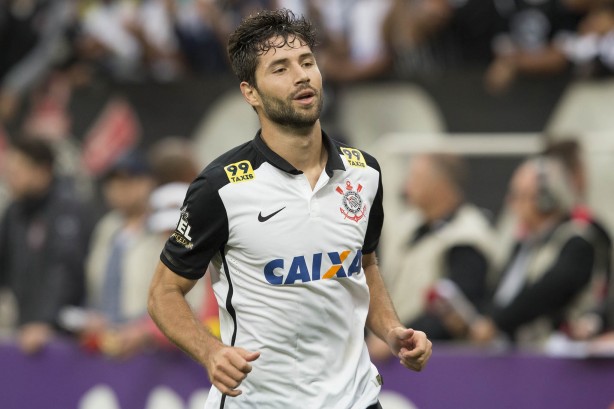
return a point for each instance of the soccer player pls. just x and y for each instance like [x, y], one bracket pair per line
[289, 222]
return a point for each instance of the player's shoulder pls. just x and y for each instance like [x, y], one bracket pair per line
[355, 157]
[236, 165]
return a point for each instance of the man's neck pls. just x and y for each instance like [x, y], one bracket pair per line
[302, 148]
[441, 210]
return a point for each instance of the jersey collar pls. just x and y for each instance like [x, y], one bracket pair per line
[333, 163]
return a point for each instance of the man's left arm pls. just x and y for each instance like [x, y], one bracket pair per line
[412, 347]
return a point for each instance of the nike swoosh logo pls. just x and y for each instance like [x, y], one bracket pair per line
[262, 218]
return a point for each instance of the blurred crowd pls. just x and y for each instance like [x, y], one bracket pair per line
[82, 227]
[166, 40]
[69, 270]
[540, 273]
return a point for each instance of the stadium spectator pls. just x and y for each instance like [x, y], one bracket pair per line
[174, 167]
[194, 24]
[201, 28]
[410, 29]
[440, 236]
[172, 161]
[591, 49]
[130, 40]
[470, 32]
[528, 40]
[49, 118]
[430, 37]
[170, 166]
[546, 278]
[569, 153]
[43, 239]
[352, 44]
[119, 265]
[32, 39]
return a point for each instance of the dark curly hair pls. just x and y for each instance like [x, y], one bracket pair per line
[256, 34]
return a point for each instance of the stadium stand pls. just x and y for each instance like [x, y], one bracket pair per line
[369, 110]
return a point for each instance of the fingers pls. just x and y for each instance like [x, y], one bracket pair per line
[228, 384]
[399, 337]
[250, 356]
[242, 360]
[416, 357]
[405, 334]
[400, 333]
[231, 366]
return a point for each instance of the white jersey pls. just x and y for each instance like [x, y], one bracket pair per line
[287, 272]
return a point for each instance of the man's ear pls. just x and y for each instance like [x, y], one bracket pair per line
[250, 93]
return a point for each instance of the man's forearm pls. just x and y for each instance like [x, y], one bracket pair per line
[382, 316]
[172, 314]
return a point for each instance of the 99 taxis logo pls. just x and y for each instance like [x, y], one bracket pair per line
[240, 171]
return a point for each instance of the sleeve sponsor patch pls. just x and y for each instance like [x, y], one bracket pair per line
[354, 157]
[240, 171]
[182, 231]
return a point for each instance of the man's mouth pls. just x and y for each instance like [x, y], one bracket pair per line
[305, 95]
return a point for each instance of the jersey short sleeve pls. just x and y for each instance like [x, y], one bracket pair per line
[376, 218]
[202, 230]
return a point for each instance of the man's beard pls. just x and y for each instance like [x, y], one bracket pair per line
[285, 114]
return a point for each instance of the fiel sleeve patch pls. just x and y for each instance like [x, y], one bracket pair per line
[354, 157]
[240, 171]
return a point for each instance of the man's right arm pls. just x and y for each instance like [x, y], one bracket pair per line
[227, 366]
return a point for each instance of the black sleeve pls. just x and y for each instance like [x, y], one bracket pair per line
[468, 268]
[201, 231]
[569, 274]
[376, 217]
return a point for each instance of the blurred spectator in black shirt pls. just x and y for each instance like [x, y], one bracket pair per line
[590, 322]
[441, 236]
[428, 37]
[44, 236]
[546, 280]
[202, 28]
[527, 42]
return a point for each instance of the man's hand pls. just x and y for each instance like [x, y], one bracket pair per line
[412, 348]
[228, 366]
[483, 331]
[34, 336]
[126, 341]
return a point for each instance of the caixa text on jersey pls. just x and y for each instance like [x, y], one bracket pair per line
[299, 270]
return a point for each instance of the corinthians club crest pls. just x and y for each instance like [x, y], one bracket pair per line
[353, 207]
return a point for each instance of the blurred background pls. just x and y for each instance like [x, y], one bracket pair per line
[109, 108]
